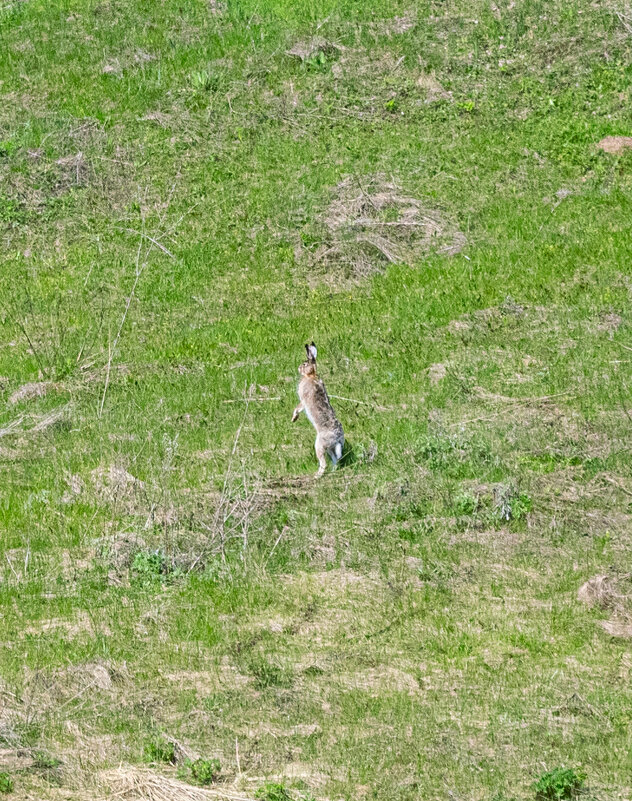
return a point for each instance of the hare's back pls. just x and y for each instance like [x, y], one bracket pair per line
[317, 405]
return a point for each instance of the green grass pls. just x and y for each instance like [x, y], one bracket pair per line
[183, 204]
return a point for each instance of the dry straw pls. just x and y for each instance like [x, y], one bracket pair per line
[137, 784]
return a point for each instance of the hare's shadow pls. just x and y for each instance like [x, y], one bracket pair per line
[348, 457]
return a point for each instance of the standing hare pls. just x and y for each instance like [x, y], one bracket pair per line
[315, 403]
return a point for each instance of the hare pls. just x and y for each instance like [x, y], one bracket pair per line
[315, 403]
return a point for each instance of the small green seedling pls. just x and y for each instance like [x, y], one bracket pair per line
[559, 784]
[160, 750]
[205, 771]
[271, 791]
[6, 783]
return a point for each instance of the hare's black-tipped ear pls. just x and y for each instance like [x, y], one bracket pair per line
[311, 352]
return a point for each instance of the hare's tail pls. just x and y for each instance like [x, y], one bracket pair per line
[338, 450]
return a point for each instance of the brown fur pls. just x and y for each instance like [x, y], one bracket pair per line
[314, 401]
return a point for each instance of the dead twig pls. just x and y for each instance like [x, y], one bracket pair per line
[12, 427]
[237, 757]
[375, 406]
[254, 400]
[278, 540]
[112, 351]
[625, 20]
[484, 395]
[149, 238]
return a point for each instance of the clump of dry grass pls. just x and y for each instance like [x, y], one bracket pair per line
[598, 591]
[604, 592]
[114, 481]
[395, 26]
[134, 784]
[433, 89]
[56, 689]
[371, 221]
[30, 391]
[308, 48]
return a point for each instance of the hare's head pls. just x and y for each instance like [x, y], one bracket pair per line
[309, 366]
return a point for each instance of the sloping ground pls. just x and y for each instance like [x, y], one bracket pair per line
[440, 198]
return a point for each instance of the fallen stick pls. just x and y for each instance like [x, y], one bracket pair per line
[256, 400]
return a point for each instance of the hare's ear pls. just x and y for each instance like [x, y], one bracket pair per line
[311, 352]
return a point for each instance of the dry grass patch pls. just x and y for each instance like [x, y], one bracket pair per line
[371, 222]
[15, 759]
[437, 372]
[47, 690]
[364, 65]
[433, 89]
[81, 624]
[129, 60]
[137, 784]
[224, 676]
[395, 26]
[339, 586]
[614, 594]
[306, 49]
[376, 681]
[32, 390]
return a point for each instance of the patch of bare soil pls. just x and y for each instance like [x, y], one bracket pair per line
[371, 222]
[615, 144]
[42, 177]
[9, 455]
[176, 118]
[617, 628]
[257, 730]
[14, 759]
[118, 552]
[73, 171]
[334, 582]
[365, 65]
[598, 591]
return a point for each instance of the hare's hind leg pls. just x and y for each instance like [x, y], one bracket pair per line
[320, 455]
[335, 454]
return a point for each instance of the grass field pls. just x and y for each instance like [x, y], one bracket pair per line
[189, 192]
